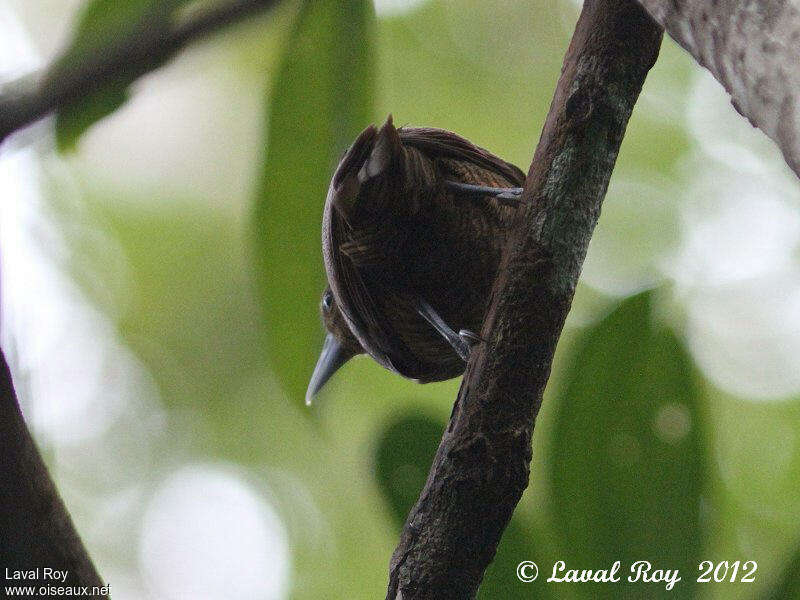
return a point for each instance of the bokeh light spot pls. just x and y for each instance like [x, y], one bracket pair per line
[208, 534]
[672, 423]
[387, 8]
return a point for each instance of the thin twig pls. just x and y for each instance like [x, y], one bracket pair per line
[482, 465]
[28, 100]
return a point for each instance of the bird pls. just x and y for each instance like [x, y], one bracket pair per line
[414, 225]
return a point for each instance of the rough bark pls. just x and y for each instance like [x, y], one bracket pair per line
[482, 465]
[752, 47]
[35, 528]
[28, 100]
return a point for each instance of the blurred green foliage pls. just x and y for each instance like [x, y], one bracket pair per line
[628, 466]
[788, 586]
[224, 316]
[404, 453]
[102, 26]
[321, 99]
[74, 120]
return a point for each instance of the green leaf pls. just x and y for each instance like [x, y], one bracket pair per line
[74, 120]
[788, 585]
[403, 458]
[103, 23]
[320, 101]
[627, 461]
[101, 27]
[500, 581]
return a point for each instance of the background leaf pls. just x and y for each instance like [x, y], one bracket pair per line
[627, 462]
[103, 24]
[402, 461]
[321, 99]
[73, 120]
[788, 585]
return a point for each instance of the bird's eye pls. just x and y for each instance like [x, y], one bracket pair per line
[327, 300]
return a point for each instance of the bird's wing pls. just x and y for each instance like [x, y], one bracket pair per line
[446, 144]
[365, 316]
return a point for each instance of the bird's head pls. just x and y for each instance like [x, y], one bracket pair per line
[339, 347]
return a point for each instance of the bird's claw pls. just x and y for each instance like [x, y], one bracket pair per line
[470, 338]
[509, 196]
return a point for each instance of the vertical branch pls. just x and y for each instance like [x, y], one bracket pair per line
[482, 465]
[35, 528]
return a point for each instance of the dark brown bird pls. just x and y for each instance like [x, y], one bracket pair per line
[413, 229]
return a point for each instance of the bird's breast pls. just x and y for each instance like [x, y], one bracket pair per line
[448, 254]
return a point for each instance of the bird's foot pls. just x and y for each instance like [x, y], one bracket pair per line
[470, 338]
[506, 195]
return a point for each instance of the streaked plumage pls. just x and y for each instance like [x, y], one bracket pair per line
[394, 231]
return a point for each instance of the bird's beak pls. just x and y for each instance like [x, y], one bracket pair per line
[333, 356]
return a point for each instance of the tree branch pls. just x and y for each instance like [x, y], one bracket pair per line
[482, 465]
[28, 100]
[35, 528]
[753, 49]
